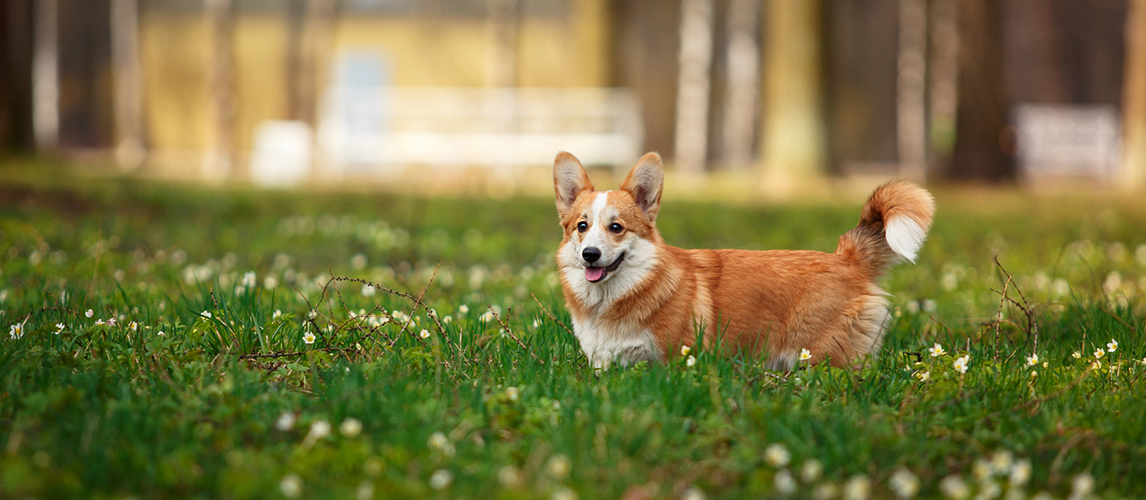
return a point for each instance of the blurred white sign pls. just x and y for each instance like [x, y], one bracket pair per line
[1068, 141]
[282, 154]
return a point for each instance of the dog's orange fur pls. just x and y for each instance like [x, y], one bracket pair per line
[778, 301]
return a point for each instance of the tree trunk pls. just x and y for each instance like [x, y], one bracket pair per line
[15, 84]
[128, 90]
[982, 108]
[217, 163]
[793, 141]
[741, 101]
[693, 85]
[46, 76]
[1134, 99]
[310, 57]
[943, 81]
[911, 115]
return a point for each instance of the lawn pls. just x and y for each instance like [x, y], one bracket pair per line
[169, 341]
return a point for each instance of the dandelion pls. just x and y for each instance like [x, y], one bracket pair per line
[684, 350]
[89, 313]
[308, 337]
[811, 471]
[441, 479]
[512, 393]
[1033, 359]
[350, 427]
[425, 334]
[784, 482]
[857, 488]
[954, 487]
[290, 485]
[961, 363]
[776, 455]
[16, 331]
[690, 361]
[558, 466]
[285, 422]
[1098, 354]
[59, 328]
[936, 350]
[368, 290]
[1076, 355]
[904, 483]
[805, 355]
[1112, 346]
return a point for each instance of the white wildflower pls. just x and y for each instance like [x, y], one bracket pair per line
[249, 280]
[59, 328]
[308, 337]
[205, 314]
[690, 361]
[904, 483]
[290, 485]
[350, 427]
[559, 466]
[160, 333]
[961, 363]
[937, 350]
[1112, 345]
[784, 482]
[440, 443]
[16, 331]
[89, 313]
[425, 334]
[923, 376]
[776, 455]
[285, 421]
[509, 476]
[1081, 485]
[441, 479]
[684, 350]
[1020, 473]
[954, 487]
[463, 309]
[1033, 359]
[134, 326]
[805, 355]
[857, 488]
[1098, 354]
[1076, 355]
[811, 471]
[368, 290]
[270, 282]
[512, 393]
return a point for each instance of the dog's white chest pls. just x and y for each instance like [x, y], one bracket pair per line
[605, 342]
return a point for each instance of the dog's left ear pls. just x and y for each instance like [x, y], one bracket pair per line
[645, 182]
[569, 180]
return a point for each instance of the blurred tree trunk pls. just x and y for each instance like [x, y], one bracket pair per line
[694, 85]
[218, 159]
[1134, 99]
[311, 30]
[46, 76]
[982, 108]
[943, 81]
[793, 133]
[741, 100]
[645, 59]
[911, 115]
[128, 89]
[502, 22]
[15, 84]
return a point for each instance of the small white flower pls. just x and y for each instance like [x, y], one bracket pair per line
[285, 421]
[1001, 462]
[440, 443]
[1096, 365]
[365, 490]
[805, 355]
[111, 321]
[512, 393]
[857, 488]
[463, 309]
[937, 350]
[1081, 485]
[249, 279]
[308, 338]
[100, 322]
[89, 313]
[1034, 373]
[690, 361]
[276, 314]
[904, 484]
[447, 319]
[350, 427]
[1098, 354]
[424, 334]
[564, 493]
[559, 466]
[954, 487]
[59, 328]
[290, 485]
[312, 314]
[1112, 346]
[134, 326]
[441, 479]
[270, 282]
[1033, 359]
[923, 376]
[16, 331]
[1076, 355]
[776, 455]
[961, 363]
[811, 471]
[693, 493]
[1020, 473]
[684, 350]
[368, 290]
[508, 476]
[205, 314]
[318, 429]
[161, 333]
[784, 482]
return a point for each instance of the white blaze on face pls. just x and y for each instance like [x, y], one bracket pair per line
[600, 215]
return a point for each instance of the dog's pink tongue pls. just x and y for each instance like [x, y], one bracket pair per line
[594, 273]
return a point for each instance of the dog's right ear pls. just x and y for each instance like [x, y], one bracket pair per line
[569, 180]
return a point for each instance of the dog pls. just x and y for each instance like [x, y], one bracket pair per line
[634, 298]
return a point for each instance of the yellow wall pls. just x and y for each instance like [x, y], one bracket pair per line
[571, 52]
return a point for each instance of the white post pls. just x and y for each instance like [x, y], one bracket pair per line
[46, 76]
[693, 85]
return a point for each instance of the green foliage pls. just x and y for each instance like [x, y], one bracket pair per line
[175, 342]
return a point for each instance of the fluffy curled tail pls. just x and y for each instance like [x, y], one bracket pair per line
[893, 225]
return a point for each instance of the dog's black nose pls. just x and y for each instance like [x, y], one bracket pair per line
[591, 254]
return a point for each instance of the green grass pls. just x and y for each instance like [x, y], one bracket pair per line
[115, 411]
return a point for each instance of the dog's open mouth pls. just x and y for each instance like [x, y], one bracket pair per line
[595, 274]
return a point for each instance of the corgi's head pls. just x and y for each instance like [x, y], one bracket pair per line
[610, 236]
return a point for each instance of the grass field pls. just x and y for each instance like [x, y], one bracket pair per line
[168, 341]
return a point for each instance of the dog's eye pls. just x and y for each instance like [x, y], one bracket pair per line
[582, 226]
[616, 228]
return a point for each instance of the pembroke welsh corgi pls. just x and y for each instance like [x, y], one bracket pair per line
[634, 298]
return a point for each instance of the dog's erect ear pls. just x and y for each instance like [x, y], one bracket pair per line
[645, 182]
[569, 180]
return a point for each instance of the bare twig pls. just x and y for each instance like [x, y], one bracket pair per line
[511, 334]
[551, 317]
